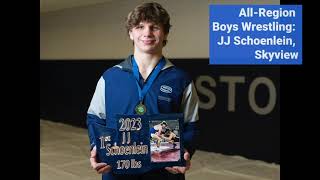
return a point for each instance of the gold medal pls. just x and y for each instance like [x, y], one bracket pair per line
[141, 109]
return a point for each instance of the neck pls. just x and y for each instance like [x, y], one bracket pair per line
[146, 63]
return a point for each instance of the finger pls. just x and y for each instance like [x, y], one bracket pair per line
[186, 156]
[93, 162]
[104, 169]
[93, 152]
[172, 170]
[97, 166]
[188, 165]
[181, 169]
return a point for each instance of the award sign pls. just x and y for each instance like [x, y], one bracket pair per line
[134, 144]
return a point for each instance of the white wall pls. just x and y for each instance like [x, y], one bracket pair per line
[98, 32]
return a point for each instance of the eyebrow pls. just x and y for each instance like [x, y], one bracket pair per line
[152, 24]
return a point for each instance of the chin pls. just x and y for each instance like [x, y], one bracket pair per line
[150, 49]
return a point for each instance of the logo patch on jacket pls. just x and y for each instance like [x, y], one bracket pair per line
[166, 89]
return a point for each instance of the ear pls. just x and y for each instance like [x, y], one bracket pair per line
[165, 37]
[130, 35]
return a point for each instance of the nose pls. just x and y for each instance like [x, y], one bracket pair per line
[147, 31]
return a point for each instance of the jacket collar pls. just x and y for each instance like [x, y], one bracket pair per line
[126, 65]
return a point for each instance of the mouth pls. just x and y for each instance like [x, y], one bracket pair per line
[148, 42]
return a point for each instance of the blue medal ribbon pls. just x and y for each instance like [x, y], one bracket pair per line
[153, 75]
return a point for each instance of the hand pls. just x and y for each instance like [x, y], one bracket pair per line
[99, 167]
[180, 169]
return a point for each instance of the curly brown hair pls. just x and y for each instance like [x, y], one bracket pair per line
[149, 12]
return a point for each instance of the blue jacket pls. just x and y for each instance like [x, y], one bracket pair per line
[172, 92]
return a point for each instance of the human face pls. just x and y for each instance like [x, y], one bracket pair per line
[147, 37]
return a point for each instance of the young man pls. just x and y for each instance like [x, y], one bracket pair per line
[146, 82]
[155, 132]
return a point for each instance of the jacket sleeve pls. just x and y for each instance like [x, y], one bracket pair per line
[96, 112]
[189, 106]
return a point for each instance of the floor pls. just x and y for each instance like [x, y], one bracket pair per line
[64, 155]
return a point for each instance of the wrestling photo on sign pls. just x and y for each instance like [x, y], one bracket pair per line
[164, 141]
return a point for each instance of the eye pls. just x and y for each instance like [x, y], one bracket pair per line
[156, 28]
[139, 27]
